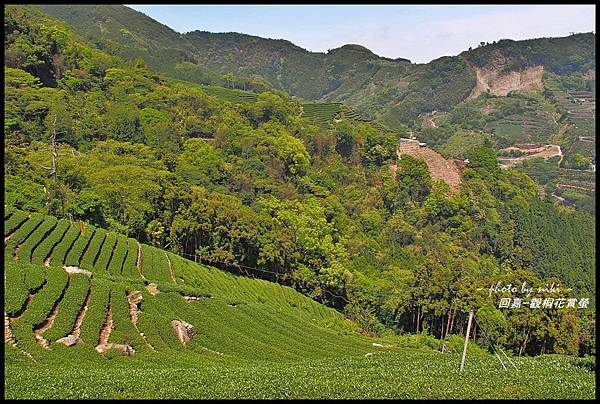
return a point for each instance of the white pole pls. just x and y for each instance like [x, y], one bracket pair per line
[462, 362]
[502, 363]
[506, 356]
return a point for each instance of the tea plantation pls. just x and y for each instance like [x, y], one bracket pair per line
[251, 338]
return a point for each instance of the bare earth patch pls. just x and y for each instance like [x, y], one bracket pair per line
[440, 169]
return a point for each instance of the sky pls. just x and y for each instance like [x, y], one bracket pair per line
[418, 33]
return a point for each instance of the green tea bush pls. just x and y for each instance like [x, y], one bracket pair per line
[15, 221]
[69, 308]
[96, 312]
[101, 265]
[89, 257]
[130, 264]
[26, 249]
[43, 250]
[39, 309]
[119, 255]
[62, 249]
[22, 233]
[75, 254]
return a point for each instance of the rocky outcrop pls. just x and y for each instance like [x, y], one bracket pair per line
[152, 288]
[69, 340]
[8, 334]
[185, 331]
[123, 348]
[77, 270]
[135, 300]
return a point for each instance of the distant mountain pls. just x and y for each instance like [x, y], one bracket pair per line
[393, 91]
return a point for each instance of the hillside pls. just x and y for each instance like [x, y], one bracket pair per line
[118, 171]
[97, 303]
[128, 294]
[374, 85]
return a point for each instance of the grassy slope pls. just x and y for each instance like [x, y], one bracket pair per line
[255, 339]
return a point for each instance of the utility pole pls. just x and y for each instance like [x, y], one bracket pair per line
[462, 362]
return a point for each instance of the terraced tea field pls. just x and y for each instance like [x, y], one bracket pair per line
[532, 128]
[233, 95]
[322, 113]
[579, 107]
[326, 114]
[93, 314]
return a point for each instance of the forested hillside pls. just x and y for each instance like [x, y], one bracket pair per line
[502, 94]
[251, 182]
[394, 90]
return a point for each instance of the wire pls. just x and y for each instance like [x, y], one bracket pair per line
[280, 276]
[490, 343]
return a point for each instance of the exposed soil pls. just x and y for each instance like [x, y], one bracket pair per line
[46, 324]
[103, 344]
[73, 337]
[440, 169]
[107, 326]
[77, 270]
[545, 152]
[492, 79]
[135, 300]
[191, 298]
[152, 288]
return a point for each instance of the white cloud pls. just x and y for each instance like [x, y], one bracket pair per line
[454, 35]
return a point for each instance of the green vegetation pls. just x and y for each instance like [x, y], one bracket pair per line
[116, 263]
[44, 249]
[370, 248]
[323, 114]
[155, 265]
[38, 310]
[242, 324]
[76, 252]
[69, 307]
[21, 234]
[59, 253]
[26, 248]
[130, 264]
[14, 221]
[106, 253]
[93, 250]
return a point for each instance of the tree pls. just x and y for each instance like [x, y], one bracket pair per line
[413, 178]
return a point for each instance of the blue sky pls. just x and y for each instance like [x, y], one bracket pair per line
[418, 33]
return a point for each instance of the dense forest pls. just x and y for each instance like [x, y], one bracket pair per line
[95, 137]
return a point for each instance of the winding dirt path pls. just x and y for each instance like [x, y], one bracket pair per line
[171, 270]
[140, 260]
[73, 337]
[135, 300]
[50, 320]
[545, 152]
